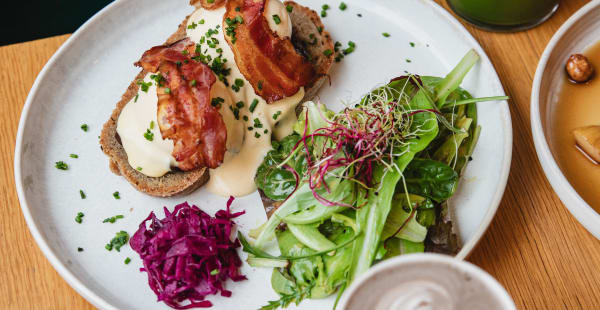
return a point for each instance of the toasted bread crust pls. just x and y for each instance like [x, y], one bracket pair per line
[182, 182]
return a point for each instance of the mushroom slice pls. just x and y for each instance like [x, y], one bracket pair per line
[588, 139]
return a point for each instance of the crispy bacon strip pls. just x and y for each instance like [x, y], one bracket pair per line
[270, 63]
[185, 114]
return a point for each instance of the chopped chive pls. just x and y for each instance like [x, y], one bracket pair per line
[210, 1]
[61, 165]
[325, 7]
[260, 85]
[266, 131]
[167, 90]
[250, 128]
[80, 249]
[343, 6]
[289, 8]
[245, 118]
[139, 168]
[84, 127]
[237, 8]
[276, 19]
[216, 102]
[118, 241]
[385, 34]
[257, 123]
[127, 261]
[408, 60]
[117, 195]
[327, 52]
[82, 194]
[73, 156]
[214, 272]
[144, 86]
[323, 13]
[201, 22]
[151, 124]
[412, 44]
[79, 217]
[254, 104]
[320, 29]
[276, 115]
[239, 104]
[136, 97]
[112, 219]
[256, 135]
[149, 135]
[192, 26]
[239, 19]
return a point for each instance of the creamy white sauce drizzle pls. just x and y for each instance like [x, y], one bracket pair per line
[152, 158]
[245, 148]
[276, 8]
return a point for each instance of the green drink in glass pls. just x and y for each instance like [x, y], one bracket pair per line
[504, 15]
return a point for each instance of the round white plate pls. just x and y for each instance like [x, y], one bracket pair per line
[86, 77]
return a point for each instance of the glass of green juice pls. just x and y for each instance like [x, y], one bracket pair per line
[504, 15]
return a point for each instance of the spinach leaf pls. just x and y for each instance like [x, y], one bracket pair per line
[278, 183]
[430, 178]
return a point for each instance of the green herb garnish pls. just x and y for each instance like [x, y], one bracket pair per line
[257, 123]
[84, 127]
[260, 85]
[289, 8]
[61, 165]
[73, 156]
[149, 135]
[192, 26]
[276, 19]
[118, 241]
[112, 219]
[214, 272]
[116, 195]
[253, 104]
[127, 261]
[276, 115]
[139, 168]
[385, 34]
[144, 86]
[343, 6]
[82, 194]
[79, 249]
[237, 84]
[79, 217]
[256, 135]
[216, 102]
[201, 22]
[136, 97]
[412, 44]
[151, 124]
[327, 52]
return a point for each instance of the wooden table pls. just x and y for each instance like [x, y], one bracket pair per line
[534, 247]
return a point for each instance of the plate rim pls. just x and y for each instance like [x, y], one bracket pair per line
[100, 302]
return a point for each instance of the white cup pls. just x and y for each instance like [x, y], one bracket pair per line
[425, 282]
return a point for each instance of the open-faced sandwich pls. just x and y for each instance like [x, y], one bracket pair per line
[208, 101]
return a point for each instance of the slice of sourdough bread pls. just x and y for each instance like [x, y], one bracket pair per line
[304, 23]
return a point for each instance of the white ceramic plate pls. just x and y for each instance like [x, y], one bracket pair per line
[579, 32]
[86, 77]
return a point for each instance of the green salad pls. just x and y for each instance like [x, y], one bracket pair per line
[364, 184]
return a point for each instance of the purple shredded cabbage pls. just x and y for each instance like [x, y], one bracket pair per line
[188, 255]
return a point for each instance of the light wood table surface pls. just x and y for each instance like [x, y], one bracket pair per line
[534, 247]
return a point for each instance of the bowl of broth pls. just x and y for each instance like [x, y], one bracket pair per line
[565, 116]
